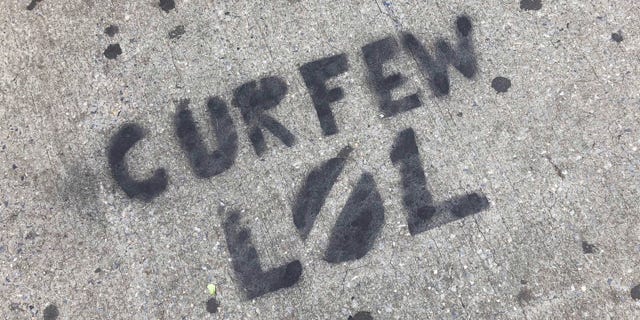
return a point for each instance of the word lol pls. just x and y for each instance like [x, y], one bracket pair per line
[362, 217]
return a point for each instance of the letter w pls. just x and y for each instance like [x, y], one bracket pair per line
[463, 58]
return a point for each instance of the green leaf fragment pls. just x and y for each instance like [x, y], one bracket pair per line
[212, 289]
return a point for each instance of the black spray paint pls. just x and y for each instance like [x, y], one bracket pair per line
[635, 292]
[376, 54]
[530, 4]
[422, 213]
[50, 312]
[32, 4]
[362, 315]
[253, 101]
[167, 5]
[588, 248]
[254, 98]
[122, 141]
[501, 84]
[315, 190]
[177, 32]
[246, 262]
[416, 197]
[112, 51]
[315, 75]
[212, 305]
[436, 69]
[203, 163]
[617, 36]
[358, 224]
[463, 206]
[111, 30]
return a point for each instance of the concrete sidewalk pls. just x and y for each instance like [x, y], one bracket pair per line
[363, 159]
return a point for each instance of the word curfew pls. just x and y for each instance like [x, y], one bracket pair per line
[362, 216]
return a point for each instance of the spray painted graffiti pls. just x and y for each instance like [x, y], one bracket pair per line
[362, 217]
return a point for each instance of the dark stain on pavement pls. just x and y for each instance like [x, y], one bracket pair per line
[556, 168]
[111, 30]
[32, 5]
[113, 51]
[635, 292]
[501, 84]
[524, 296]
[30, 235]
[617, 36]
[588, 248]
[51, 312]
[78, 190]
[167, 5]
[212, 305]
[361, 315]
[531, 4]
[177, 32]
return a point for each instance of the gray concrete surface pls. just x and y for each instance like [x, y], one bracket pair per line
[556, 156]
